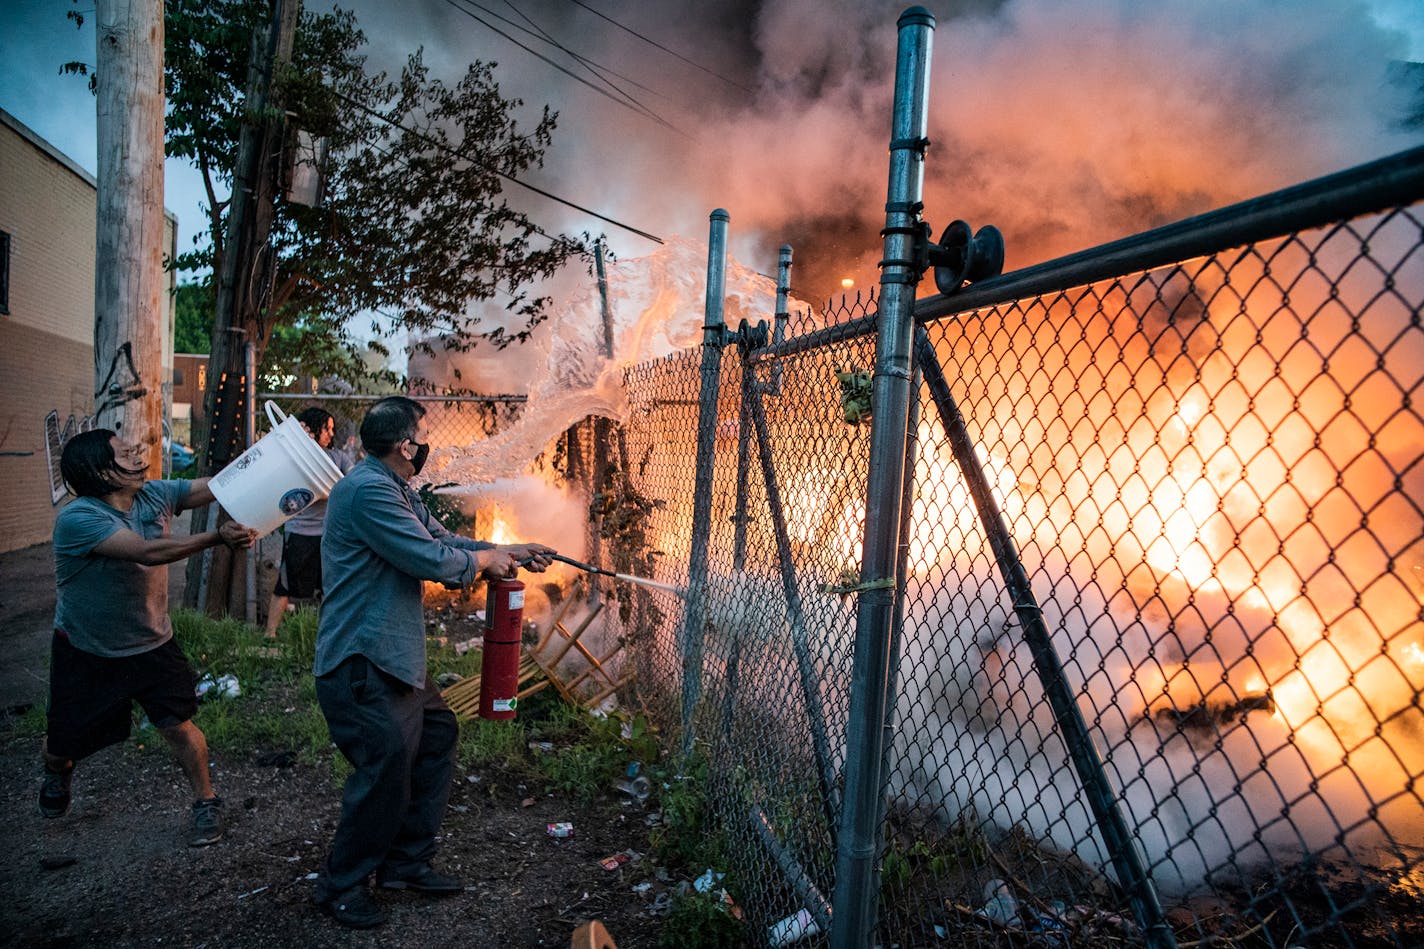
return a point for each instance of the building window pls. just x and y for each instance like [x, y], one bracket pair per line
[4, 273]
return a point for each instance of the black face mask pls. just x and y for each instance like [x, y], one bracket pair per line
[422, 452]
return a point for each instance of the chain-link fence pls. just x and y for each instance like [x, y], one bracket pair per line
[1187, 497]
[453, 419]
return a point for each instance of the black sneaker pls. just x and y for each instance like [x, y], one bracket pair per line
[208, 824]
[422, 879]
[354, 909]
[54, 792]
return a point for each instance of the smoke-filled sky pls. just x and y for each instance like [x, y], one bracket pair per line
[1064, 122]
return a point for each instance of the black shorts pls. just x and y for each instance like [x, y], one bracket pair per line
[300, 574]
[91, 697]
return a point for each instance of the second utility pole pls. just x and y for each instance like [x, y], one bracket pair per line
[246, 264]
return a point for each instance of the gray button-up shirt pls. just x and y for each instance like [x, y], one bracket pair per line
[380, 543]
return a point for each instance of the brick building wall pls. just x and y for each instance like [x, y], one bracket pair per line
[47, 209]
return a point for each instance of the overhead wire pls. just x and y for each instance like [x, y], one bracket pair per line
[627, 102]
[436, 143]
[598, 70]
[655, 43]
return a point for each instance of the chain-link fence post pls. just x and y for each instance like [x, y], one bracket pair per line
[714, 338]
[857, 845]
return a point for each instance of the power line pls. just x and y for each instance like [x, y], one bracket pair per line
[608, 69]
[596, 69]
[627, 102]
[478, 164]
[652, 42]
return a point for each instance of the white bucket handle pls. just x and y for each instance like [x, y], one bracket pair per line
[272, 407]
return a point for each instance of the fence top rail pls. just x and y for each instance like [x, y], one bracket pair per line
[1389, 182]
[358, 397]
[826, 336]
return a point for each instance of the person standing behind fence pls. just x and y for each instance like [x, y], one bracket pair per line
[113, 639]
[381, 707]
[299, 576]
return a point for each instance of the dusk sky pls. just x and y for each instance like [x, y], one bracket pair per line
[1064, 123]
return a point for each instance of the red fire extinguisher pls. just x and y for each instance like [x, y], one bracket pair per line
[499, 666]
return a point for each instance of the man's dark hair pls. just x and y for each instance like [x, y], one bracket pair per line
[88, 465]
[390, 422]
[313, 418]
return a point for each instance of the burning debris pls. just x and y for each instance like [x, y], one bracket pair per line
[1212, 716]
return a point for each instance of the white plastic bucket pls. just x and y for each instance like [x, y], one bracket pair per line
[283, 472]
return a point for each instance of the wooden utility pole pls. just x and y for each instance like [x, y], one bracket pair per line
[128, 265]
[244, 281]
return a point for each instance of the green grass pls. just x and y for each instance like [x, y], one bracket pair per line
[277, 709]
[32, 724]
[567, 750]
[500, 743]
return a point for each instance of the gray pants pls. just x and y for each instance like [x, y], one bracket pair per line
[401, 744]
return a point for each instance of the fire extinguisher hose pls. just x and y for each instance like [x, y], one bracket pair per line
[589, 568]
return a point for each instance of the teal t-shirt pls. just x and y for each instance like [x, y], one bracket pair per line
[113, 607]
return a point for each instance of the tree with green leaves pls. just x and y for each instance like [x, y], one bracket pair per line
[413, 232]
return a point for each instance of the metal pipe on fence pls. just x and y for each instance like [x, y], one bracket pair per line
[822, 338]
[858, 842]
[744, 462]
[739, 537]
[1102, 797]
[780, 318]
[800, 647]
[897, 627]
[800, 881]
[714, 338]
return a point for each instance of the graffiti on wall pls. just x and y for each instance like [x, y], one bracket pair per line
[55, 437]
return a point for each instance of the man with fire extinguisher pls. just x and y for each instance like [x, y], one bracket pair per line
[383, 710]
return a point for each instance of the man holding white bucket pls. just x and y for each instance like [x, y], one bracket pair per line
[113, 639]
[383, 710]
[299, 575]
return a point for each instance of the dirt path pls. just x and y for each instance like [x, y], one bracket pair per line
[115, 871]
